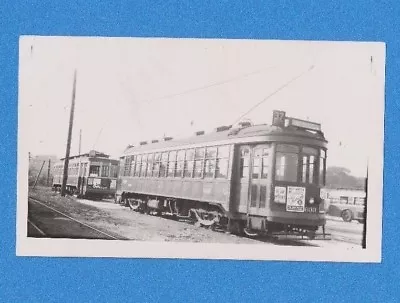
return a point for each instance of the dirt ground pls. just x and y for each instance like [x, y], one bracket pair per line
[119, 220]
[107, 216]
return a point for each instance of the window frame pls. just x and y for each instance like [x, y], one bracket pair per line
[315, 165]
[150, 165]
[180, 162]
[300, 155]
[224, 158]
[242, 161]
[105, 168]
[210, 156]
[286, 153]
[143, 166]
[171, 161]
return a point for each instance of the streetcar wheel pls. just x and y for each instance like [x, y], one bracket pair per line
[250, 233]
[132, 204]
[347, 215]
[311, 234]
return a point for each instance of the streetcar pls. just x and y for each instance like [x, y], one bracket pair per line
[90, 175]
[248, 179]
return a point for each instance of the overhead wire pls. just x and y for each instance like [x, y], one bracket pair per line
[219, 83]
[222, 82]
[274, 93]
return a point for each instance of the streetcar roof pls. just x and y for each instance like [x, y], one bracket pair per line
[227, 135]
[92, 154]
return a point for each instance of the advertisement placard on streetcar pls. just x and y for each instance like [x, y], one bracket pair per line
[280, 194]
[296, 199]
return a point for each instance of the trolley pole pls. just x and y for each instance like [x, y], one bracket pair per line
[71, 120]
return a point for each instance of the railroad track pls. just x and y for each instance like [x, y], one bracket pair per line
[84, 227]
[42, 230]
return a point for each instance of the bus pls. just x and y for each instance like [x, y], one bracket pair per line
[349, 204]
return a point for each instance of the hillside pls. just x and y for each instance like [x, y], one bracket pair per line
[340, 177]
[35, 164]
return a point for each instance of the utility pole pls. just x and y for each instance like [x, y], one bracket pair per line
[364, 239]
[79, 165]
[37, 178]
[80, 140]
[48, 173]
[71, 120]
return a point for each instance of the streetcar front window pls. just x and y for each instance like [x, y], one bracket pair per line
[309, 156]
[286, 164]
[94, 171]
[322, 167]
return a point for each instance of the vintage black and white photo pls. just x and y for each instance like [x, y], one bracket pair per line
[200, 148]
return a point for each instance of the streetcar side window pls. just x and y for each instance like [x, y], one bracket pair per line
[114, 171]
[138, 165]
[171, 164]
[199, 162]
[244, 162]
[163, 165]
[157, 161]
[144, 166]
[180, 163]
[149, 165]
[127, 165]
[121, 166]
[286, 163]
[133, 165]
[209, 167]
[221, 170]
[189, 163]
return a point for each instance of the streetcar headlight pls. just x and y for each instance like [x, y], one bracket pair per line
[311, 201]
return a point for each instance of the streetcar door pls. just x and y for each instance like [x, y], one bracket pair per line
[259, 180]
[242, 187]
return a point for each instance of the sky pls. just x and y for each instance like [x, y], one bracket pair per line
[139, 89]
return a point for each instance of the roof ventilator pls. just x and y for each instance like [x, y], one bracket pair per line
[223, 128]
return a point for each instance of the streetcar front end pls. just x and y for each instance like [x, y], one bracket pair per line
[299, 176]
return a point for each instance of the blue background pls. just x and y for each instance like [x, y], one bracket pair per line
[119, 280]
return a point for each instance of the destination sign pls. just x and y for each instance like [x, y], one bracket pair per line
[304, 124]
[278, 118]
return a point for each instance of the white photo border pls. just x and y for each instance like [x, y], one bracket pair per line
[40, 247]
